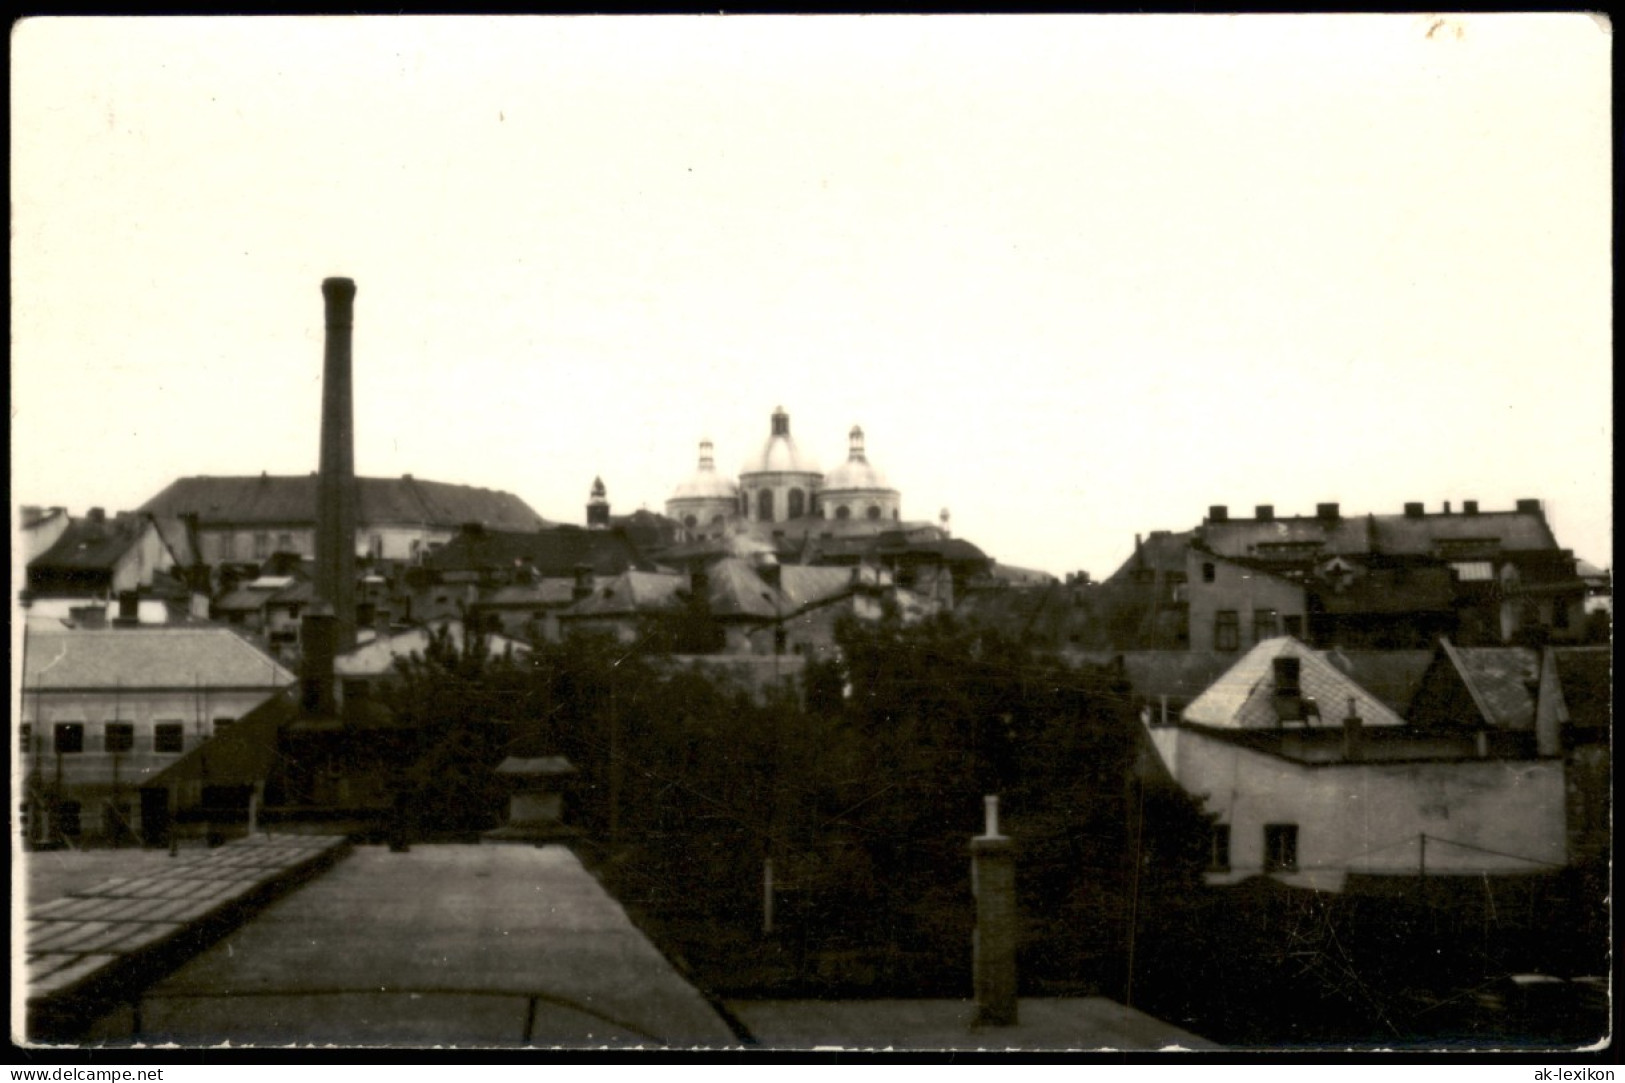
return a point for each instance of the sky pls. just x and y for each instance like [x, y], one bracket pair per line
[1077, 277]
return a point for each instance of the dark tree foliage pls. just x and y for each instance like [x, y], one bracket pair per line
[862, 793]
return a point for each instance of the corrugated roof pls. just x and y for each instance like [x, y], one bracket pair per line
[1242, 698]
[1501, 681]
[283, 500]
[137, 658]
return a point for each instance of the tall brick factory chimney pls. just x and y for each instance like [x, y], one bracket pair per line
[335, 485]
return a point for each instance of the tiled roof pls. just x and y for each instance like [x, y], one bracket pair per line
[631, 593]
[804, 586]
[1392, 676]
[139, 658]
[1501, 681]
[88, 545]
[554, 552]
[548, 592]
[735, 590]
[1242, 697]
[284, 500]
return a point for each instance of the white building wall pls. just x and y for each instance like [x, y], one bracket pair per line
[1492, 816]
[96, 776]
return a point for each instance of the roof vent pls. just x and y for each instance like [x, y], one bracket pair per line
[1264, 512]
[1218, 513]
[1327, 511]
[1469, 507]
[1413, 510]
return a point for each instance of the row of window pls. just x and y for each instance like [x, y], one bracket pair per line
[68, 738]
[284, 544]
[1280, 848]
[1267, 624]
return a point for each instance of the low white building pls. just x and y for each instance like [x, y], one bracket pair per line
[1311, 779]
[104, 709]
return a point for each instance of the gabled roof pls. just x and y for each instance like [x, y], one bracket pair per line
[1242, 698]
[803, 586]
[1179, 675]
[243, 754]
[632, 593]
[1501, 681]
[94, 545]
[735, 590]
[280, 500]
[1586, 679]
[1162, 552]
[133, 659]
[1392, 676]
[554, 553]
[377, 656]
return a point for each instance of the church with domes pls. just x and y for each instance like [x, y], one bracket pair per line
[781, 487]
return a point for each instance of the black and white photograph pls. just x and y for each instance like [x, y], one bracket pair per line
[790, 533]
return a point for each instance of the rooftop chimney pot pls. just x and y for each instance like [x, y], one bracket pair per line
[1218, 513]
[1413, 509]
[1469, 507]
[1327, 511]
[1264, 512]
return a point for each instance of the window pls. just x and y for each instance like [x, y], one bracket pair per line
[69, 819]
[1226, 630]
[221, 725]
[1219, 849]
[764, 505]
[169, 737]
[284, 543]
[1294, 627]
[690, 521]
[375, 547]
[843, 512]
[262, 546]
[70, 738]
[228, 547]
[1560, 613]
[25, 738]
[1473, 571]
[118, 737]
[1280, 847]
[1265, 625]
[798, 504]
[1207, 572]
[873, 512]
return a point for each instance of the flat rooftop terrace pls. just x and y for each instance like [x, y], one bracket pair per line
[462, 945]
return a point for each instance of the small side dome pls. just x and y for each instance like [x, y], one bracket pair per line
[705, 482]
[857, 473]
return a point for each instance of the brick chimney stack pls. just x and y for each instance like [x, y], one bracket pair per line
[993, 880]
[335, 485]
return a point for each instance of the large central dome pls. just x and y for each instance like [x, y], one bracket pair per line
[780, 454]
